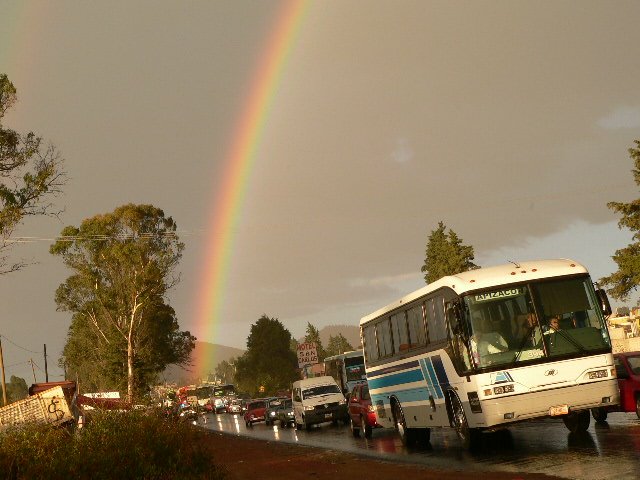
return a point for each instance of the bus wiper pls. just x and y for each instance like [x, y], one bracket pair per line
[579, 347]
[527, 337]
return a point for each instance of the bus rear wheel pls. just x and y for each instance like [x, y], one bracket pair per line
[468, 436]
[577, 422]
[406, 434]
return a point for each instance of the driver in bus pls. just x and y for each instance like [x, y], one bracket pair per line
[554, 324]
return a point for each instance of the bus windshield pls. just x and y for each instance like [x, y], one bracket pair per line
[224, 390]
[354, 366]
[538, 320]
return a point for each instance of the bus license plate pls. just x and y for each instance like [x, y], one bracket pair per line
[559, 410]
[327, 415]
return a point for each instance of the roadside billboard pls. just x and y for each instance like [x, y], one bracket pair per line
[307, 354]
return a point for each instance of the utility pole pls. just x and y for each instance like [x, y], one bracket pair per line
[46, 370]
[4, 385]
[33, 370]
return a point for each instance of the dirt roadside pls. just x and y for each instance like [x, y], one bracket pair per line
[246, 458]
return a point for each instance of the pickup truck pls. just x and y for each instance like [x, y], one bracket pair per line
[628, 373]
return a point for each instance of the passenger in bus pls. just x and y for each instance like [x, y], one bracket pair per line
[486, 339]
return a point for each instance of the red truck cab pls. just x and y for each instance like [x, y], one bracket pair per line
[361, 411]
[628, 372]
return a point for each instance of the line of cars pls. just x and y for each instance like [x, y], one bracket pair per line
[314, 401]
[269, 410]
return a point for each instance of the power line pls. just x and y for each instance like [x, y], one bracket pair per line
[119, 237]
[16, 364]
[16, 345]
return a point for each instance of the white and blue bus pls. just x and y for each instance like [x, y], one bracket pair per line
[347, 369]
[474, 351]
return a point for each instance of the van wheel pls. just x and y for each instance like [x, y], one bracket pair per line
[599, 414]
[577, 422]
[368, 430]
[298, 426]
[354, 429]
[307, 426]
[406, 434]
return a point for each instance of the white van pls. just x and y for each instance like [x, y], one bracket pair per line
[318, 400]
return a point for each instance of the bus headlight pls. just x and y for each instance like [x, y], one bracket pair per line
[598, 374]
[309, 408]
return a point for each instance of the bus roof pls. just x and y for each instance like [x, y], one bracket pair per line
[353, 353]
[488, 277]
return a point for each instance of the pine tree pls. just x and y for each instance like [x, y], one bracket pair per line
[627, 278]
[313, 336]
[446, 255]
[338, 344]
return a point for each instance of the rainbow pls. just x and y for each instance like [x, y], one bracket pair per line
[238, 165]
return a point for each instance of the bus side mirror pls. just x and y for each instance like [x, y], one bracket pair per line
[603, 299]
[454, 315]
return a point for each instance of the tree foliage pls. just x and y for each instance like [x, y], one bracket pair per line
[30, 175]
[225, 371]
[268, 360]
[123, 332]
[627, 278]
[338, 344]
[17, 389]
[446, 255]
[312, 335]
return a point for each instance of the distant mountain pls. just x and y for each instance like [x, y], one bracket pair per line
[206, 356]
[350, 332]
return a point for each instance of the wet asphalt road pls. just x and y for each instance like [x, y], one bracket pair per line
[608, 451]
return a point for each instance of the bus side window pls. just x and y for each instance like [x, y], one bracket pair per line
[370, 344]
[435, 312]
[399, 331]
[383, 332]
[417, 335]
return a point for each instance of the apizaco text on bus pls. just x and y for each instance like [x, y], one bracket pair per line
[498, 294]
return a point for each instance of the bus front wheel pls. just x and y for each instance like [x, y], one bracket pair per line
[577, 422]
[468, 436]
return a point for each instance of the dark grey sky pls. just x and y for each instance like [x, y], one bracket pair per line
[510, 121]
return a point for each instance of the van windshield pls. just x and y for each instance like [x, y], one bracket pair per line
[319, 390]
